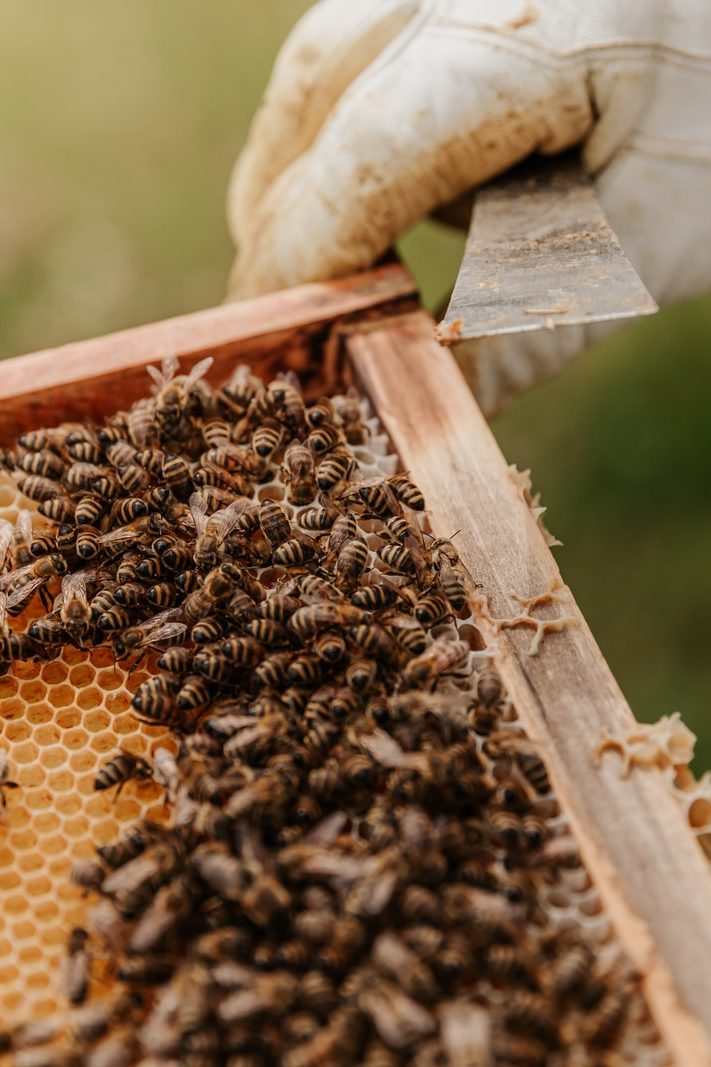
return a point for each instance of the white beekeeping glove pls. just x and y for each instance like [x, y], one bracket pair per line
[380, 111]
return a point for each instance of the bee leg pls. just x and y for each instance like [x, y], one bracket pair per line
[137, 663]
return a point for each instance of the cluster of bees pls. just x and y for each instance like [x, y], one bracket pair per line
[359, 834]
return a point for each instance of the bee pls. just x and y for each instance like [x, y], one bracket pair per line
[7, 533]
[40, 489]
[333, 469]
[103, 600]
[75, 612]
[268, 632]
[214, 530]
[299, 472]
[408, 633]
[452, 585]
[75, 971]
[176, 396]
[432, 609]
[215, 432]
[89, 510]
[167, 628]
[195, 692]
[37, 440]
[351, 562]
[284, 400]
[520, 1049]
[23, 582]
[5, 781]
[87, 542]
[177, 555]
[81, 476]
[234, 459]
[237, 393]
[398, 558]
[243, 651]
[343, 703]
[162, 595]
[116, 618]
[407, 492]
[230, 481]
[188, 581]
[121, 769]
[278, 609]
[177, 476]
[87, 874]
[267, 438]
[217, 587]
[323, 438]
[344, 529]
[317, 519]
[331, 647]
[376, 641]
[348, 408]
[531, 1013]
[59, 509]
[295, 552]
[155, 699]
[121, 454]
[395, 958]
[177, 660]
[601, 1026]
[312, 618]
[143, 429]
[45, 463]
[568, 972]
[442, 657]
[305, 669]
[275, 523]
[376, 496]
[376, 597]
[489, 688]
[360, 674]
[273, 672]
[319, 413]
[135, 840]
[22, 540]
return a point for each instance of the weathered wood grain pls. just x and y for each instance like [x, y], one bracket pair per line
[274, 332]
[651, 873]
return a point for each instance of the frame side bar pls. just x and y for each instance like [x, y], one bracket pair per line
[651, 873]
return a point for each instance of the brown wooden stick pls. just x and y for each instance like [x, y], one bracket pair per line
[95, 377]
[648, 867]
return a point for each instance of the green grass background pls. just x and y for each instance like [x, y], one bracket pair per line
[118, 128]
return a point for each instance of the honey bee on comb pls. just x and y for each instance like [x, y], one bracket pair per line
[337, 845]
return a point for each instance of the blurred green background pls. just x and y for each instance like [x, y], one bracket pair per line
[118, 128]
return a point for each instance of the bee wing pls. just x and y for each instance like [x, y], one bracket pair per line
[157, 377]
[166, 632]
[291, 379]
[199, 371]
[23, 592]
[74, 587]
[6, 537]
[12, 578]
[325, 832]
[223, 522]
[3, 612]
[124, 535]
[198, 510]
[23, 526]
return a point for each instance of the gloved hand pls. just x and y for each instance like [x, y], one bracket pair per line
[380, 111]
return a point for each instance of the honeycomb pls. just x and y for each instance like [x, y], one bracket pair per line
[59, 721]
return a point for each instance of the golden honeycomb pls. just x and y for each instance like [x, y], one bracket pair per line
[59, 721]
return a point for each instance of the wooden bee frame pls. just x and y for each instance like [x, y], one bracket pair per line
[650, 872]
